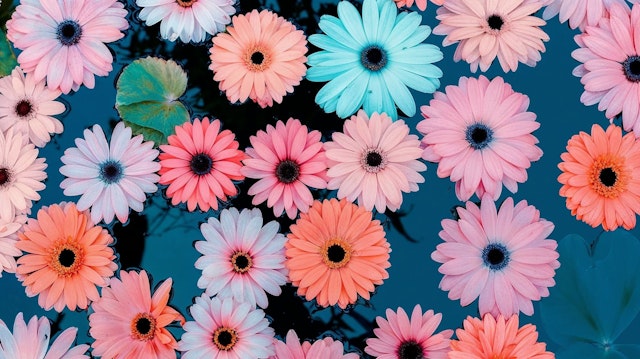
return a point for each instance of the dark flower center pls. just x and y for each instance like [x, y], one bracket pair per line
[5, 176]
[111, 171]
[479, 136]
[608, 177]
[66, 258]
[143, 326]
[495, 22]
[69, 32]
[241, 262]
[201, 164]
[631, 67]
[336, 253]
[410, 350]
[23, 108]
[373, 159]
[257, 58]
[373, 58]
[495, 256]
[225, 338]
[287, 171]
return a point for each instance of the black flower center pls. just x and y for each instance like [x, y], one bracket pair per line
[111, 171]
[225, 338]
[143, 326]
[241, 262]
[257, 58]
[631, 67]
[495, 256]
[69, 32]
[201, 164]
[373, 58]
[23, 108]
[287, 171]
[66, 258]
[410, 350]
[374, 159]
[495, 22]
[479, 136]
[608, 177]
[5, 176]
[336, 253]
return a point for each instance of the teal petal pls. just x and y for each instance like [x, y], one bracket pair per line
[353, 96]
[417, 55]
[352, 21]
[404, 29]
[388, 14]
[370, 20]
[374, 94]
[335, 29]
[400, 93]
[328, 59]
[413, 80]
[334, 87]
[327, 43]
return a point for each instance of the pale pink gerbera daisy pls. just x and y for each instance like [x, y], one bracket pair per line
[64, 41]
[399, 336]
[287, 159]
[479, 132]
[128, 322]
[8, 240]
[111, 176]
[327, 348]
[27, 106]
[486, 29]
[421, 4]
[374, 160]
[241, 258]
[580, 13]
[503, 257]
[226, 329]
[31, 341]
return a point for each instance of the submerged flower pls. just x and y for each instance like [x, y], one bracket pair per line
[8, 240]
[580, 13]
[27, 106]
[503, 257]
[129, 322]
[113, 176]
[479, 132]
[399, 336]
[372, 60]
[241, 258]
[226, 329]
[287, 159]
[601, 177]
[66, 257]
[486, 29]
[374, 160]
[335, 252]
[261, 57]
[189, 20]
[199, 164]
[31, 341]
[64, 42]
[421, 4]
[326, 348]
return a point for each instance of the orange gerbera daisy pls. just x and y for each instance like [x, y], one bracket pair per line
[601, 177]
[336, 252]
[67, 256]
[497, 338]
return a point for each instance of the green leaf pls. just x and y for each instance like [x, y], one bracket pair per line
[7, 58]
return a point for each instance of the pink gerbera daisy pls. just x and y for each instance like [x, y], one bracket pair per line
[327, 348]
[64, 42]
[8, 240]
[226, 329]
[128, 322]
[374, 160]
[580, 13]
[199, 164]
[401, 337]
[241, 258]
[479, 132]
[421, 4]
[503, 257]
[287, 159]
[486, 29]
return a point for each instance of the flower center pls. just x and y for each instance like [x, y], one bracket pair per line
[607, 176]
[410, 350]
[495, 256]
[66, 258]
[373, 58]
[495, 22]
[241, 262]
[201, 164]
[143, 327]
[631, 68]
[373, 161]
[5, 176]
[479, 136]
[336, 253]
[257, 59]
[23, 108]
[69, 32]
[225, 338]
[287, 171]
[111, 171]
[186, 3]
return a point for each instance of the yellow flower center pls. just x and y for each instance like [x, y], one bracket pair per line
[336, 253]
[143, 327]
[608, 177]
[66, 258]
[225, 338]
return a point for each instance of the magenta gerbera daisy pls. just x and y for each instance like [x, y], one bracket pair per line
[503, 257]
[479, 133]
[373, 161]
[327, 348]
[287, 160]
[241, 258]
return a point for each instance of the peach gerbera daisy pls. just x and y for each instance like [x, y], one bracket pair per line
[336, 252]
[66, 257]
[601, 177]
[421, 4]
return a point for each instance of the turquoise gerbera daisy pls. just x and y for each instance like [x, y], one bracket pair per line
[373, 60]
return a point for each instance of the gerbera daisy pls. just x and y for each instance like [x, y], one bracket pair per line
[503, 257]
[336, 252]
[199, 164]
[399, 336]
[8, 239]
[261, 57]
[190, 20]
[374, 160]
[486, 29]
[421, 4]
[287, 159]
[113, 176]
[327, 348]
[601, 177]
[479, 133]
[497, 338]
[372, 60]
[66, 257]
[31, 341]
[64, 42]
[27, 106]
[224, 328]
[129, 322]
[580, 13]
[241, 258]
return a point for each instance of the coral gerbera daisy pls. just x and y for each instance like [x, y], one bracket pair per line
[189, 20]
[479, 132]
[129, 322]
[226, 329]
[261, 57]
[66, 257]
[287, 159]
[487, 29]
[8, 240]
[372, 60]
[580, 13]
[199, 164]
[113, 176]
[421, 4]
[336, 252]
[601, 177]
[31, 341]
[241, 258]
[497, 338]
[503, 257]
[27, 106]
[65, 42]
[399, 336]
[326, 348]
